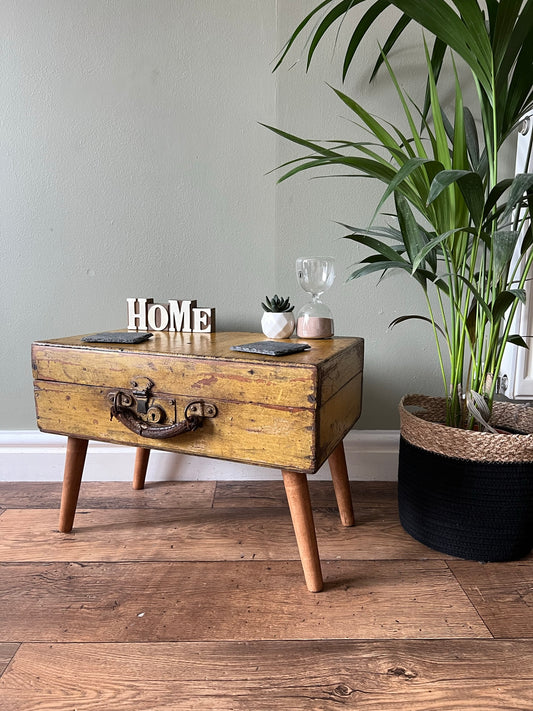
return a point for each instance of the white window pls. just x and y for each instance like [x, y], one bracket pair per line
[517, 367]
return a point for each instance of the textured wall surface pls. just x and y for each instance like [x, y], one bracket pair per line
[133, 164]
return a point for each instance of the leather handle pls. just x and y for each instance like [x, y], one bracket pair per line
[121, 411]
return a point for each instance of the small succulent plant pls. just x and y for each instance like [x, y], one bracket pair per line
[277, 304]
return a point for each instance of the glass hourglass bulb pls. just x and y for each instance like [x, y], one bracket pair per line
[315, 275]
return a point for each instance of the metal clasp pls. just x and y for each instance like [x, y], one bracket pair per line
[141, 390]
[198, 408]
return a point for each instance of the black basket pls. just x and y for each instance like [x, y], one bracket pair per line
[470, 509]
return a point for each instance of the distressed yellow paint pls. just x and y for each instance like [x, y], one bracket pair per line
[285, 412]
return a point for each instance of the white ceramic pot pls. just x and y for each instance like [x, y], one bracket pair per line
[278, 325]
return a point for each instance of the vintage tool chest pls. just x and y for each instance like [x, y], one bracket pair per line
[190, 393]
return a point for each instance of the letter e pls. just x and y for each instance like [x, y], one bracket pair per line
[203, 320]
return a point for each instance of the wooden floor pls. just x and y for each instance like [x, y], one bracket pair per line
[191, 596]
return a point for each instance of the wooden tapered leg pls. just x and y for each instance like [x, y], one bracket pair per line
[341, 484]
[297, 491]
[141, 464]
[74, 461]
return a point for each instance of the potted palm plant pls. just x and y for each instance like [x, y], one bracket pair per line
[462, 231]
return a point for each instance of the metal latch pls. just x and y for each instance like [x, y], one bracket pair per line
[141, 390]
[200, 409]
[147, 419]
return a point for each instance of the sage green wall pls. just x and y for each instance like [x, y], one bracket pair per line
[308, 209]
[133, 164]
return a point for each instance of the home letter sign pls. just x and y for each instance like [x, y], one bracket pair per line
[144, 315]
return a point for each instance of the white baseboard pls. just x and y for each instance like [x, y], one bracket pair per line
[30, 455]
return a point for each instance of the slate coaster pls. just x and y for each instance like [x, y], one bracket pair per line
[118, 337]
[272, 348]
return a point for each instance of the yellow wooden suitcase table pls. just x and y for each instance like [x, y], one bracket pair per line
[192, 394]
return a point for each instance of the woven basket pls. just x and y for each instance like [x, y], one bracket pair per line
[464, 493]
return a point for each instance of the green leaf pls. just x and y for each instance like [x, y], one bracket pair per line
[520, 294]
[373, 267]
[297, 31]
[380, 247]
[391, 40]
[437, 57]
[470, 185]
[475, 22]
[339, 10]
[400, 319]
[413, 239]
[527, 241]
[505, 20]
[386, 232]
[495, 194]
[361, 29]
[509, 46]
[417, 139]
[403, 174]
[313, 145]
[441, 150]
[503, 247]
[520, 185]
[516, 340]
[480, 301]
[470, 325]
[504, 301]
[372, 259]
[466, 35]
[472, 141]
[369, 168]
[309, 165]
[385, 266]
[428, 248]
[518, 95]
[384, 137]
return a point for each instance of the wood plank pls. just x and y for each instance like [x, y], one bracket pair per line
[135, 602]
[7, 652]
[210, 346]
[341, 368]
[280, 382]
[465, 675]
[110, 495]
[501, 592]
[200, 534]
[365, 494]
[272, 436]
[338, 415]
[260, 494]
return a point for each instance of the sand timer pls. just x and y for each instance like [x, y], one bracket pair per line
[315, 276]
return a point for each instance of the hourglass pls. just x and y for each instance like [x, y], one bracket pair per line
[315, 276]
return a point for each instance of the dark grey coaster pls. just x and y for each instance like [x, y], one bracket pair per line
[118, 337]
[273, 348]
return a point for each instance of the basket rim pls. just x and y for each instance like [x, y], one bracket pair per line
[427, 430]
